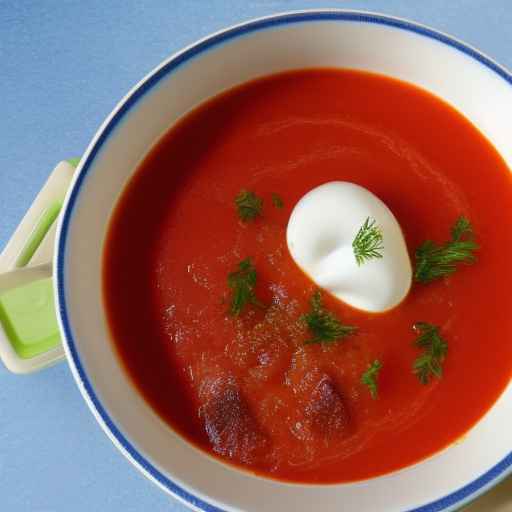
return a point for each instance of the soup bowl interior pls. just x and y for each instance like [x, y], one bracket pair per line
[474, 85]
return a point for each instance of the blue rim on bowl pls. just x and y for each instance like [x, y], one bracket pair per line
[449, 502]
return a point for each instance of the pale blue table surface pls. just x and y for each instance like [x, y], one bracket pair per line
[63, 66]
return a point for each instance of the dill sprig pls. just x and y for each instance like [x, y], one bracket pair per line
[249, 205]
[461, 227]
[370, 378]
[277, 201]
[435, 348]
[434, 261]
[324, 325]
[368, 242]
[242, 283]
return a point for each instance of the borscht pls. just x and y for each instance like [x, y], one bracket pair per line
[240, 351]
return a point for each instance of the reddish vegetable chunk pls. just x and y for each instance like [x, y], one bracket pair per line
[229, 424]
[326, 411]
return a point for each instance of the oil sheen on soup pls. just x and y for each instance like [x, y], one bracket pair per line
[247, 387]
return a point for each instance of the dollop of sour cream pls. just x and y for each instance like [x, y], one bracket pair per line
[320, 233]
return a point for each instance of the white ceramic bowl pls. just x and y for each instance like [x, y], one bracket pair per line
[471, 82]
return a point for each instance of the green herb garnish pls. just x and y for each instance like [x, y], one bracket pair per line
[368, 242]
[277, 201]
[324, 325]
[242, 282]
[429, 364]
[434, 261]
[249, 205]
[370, 377]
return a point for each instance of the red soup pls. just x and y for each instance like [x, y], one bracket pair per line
[247, 388]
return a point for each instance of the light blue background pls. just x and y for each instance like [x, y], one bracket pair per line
[63, 66]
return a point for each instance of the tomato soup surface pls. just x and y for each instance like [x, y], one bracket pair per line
[248, 389]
